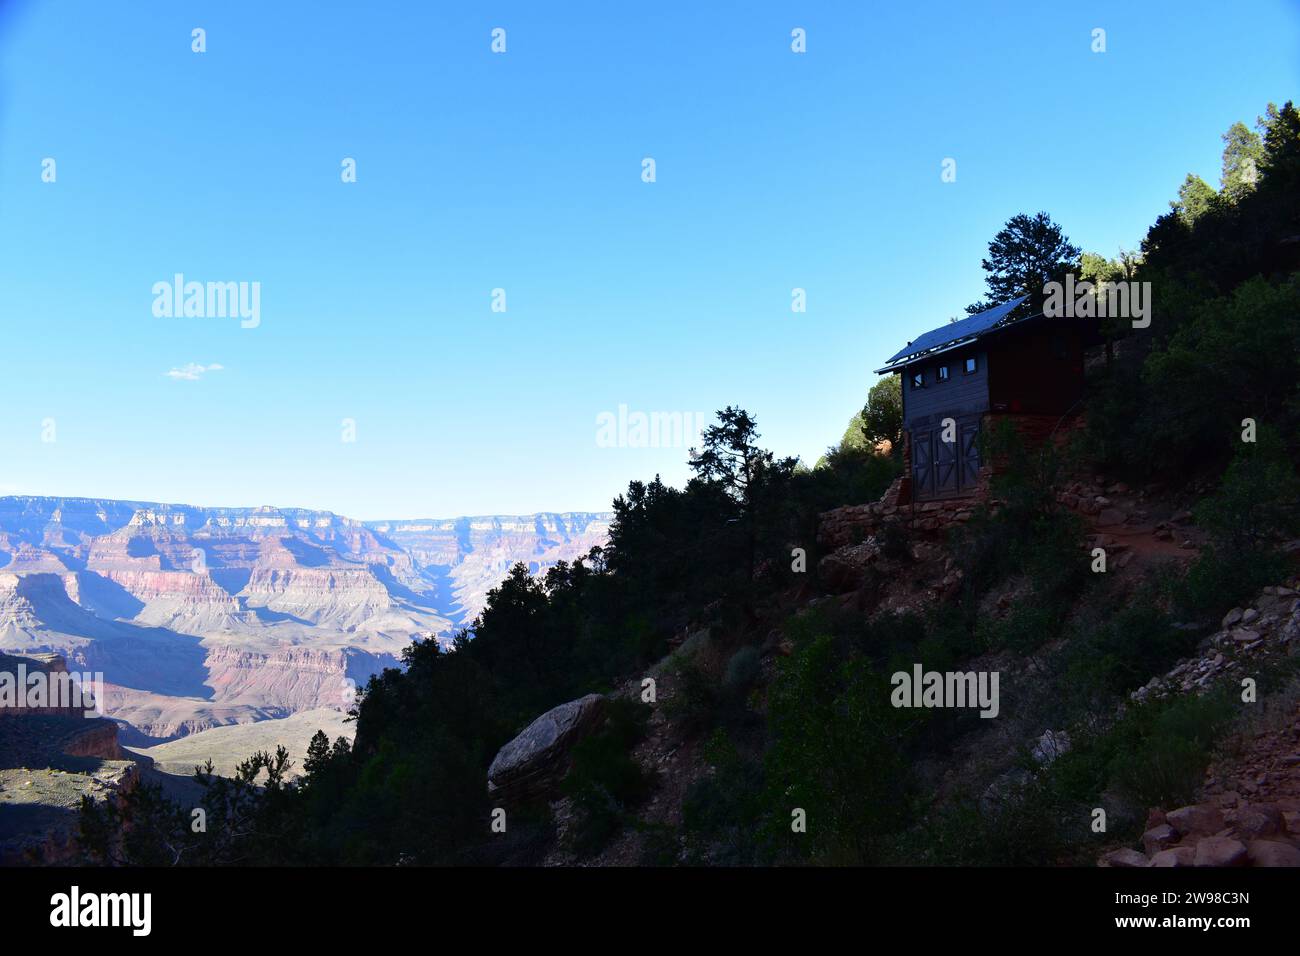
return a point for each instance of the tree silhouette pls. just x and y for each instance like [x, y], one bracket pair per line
[1026, 254]
[729, 456]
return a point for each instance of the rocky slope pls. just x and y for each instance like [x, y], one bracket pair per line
[1248, 810]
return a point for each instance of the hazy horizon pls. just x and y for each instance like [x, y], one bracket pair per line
[205, 506]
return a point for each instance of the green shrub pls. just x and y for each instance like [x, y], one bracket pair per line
[722, 812]
[1255, 504]
[1030, 534]
[1256, 500]
[1162, 762]
[1025, 628]
[693, 706]
[1035, 828]
[742, 670]
[837, 753]
[1218, 580]
[894, 543]
[1121, 651]
[605, 780]
[891, 637]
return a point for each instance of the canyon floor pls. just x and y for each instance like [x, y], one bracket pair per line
[228, 746]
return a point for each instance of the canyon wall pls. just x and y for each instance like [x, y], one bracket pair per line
[206, 617]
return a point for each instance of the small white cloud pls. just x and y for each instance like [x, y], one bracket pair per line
[191, 372]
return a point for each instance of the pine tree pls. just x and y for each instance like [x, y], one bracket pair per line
[1026, 254]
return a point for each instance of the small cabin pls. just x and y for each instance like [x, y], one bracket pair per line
[1004, 362]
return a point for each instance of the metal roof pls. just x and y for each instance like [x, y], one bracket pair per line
[954, 333]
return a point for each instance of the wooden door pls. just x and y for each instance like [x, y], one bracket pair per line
[945, 461]
[969, 455]
[922, 463]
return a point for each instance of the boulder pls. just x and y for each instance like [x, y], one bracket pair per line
[1200, 818]
[1110, 516]
[530, 765]
[1158, 838]
[1175, 856]
[1005, 791]
[1124, 858]
[1272, 853]
[1053, 744]
[1220, 851]
[848, 568]
[1259, 820]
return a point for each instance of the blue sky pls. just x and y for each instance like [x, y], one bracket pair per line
[522, 171]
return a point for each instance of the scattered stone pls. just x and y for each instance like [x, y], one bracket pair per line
[1220, 851]
[1196, 819]
[1110, 516]
[1005, 790]
[1124, 858]
[1159, 838]
[1272, 853]
[1051, 745]
[1175, 856]
[1259, 820]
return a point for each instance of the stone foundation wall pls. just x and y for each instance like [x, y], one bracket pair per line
[853, 524]
[902, 488]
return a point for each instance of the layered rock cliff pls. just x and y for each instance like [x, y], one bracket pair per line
[464, 558]
[205, 617]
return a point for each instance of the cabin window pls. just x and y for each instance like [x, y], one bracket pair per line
[918, 379]
[943, 373]
[972, 364]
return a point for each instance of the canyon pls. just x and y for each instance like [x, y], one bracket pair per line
[201, 618]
